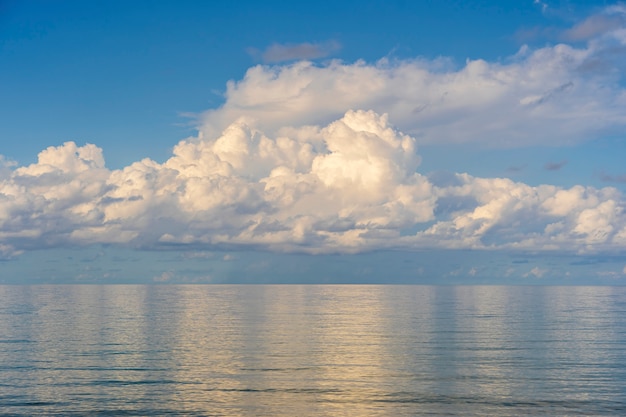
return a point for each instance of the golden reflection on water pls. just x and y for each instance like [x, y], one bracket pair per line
[312, 350]
[287, 351]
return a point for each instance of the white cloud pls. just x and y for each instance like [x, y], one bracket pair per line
[500, 213]
[285, 165]
[350, 186]
[554, 95]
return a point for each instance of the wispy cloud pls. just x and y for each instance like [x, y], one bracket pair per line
[516, 168]
[602, 22]
[554, 166]
[531, 34]
[595, 25]
[292, 52]
[613, 178]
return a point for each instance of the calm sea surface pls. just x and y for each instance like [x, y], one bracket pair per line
[312, 350]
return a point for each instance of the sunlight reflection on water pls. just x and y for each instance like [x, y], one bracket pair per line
[312, 350]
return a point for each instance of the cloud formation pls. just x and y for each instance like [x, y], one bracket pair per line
[553, 95]
[352, 185]
[323, 159]
[291, 52]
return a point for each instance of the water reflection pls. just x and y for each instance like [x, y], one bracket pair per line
[312, 350]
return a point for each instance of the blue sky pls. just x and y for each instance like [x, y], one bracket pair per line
[426, 142]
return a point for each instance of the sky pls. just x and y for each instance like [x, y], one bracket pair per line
[447, 142]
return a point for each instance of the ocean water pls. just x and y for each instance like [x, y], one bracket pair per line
[325, 350]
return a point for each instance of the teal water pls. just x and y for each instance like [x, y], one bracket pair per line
[312, 350]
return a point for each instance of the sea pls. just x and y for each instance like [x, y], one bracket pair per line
[312, 350]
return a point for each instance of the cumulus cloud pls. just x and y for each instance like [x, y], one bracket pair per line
[536, 97]
[290, 163]
[349, 186]
[499, 213]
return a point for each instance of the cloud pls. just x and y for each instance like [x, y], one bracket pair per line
[506, 214]
[605, 21]
[554, 166]
[516, 168]
[535, 33]
[536, 272]
[324, 159]
[610, 19]
[613, 178]
[292, 52]
[548, 96]
[349, 186]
